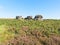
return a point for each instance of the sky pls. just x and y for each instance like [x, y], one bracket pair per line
[49, 9]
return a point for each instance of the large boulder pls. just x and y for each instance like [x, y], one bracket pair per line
[38, 17]
[19, 17]
[28, 17]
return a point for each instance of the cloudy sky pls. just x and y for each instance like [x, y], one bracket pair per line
[47, 8]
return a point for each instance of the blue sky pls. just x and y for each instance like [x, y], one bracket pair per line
[47, 8]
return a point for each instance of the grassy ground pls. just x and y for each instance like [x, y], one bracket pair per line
[29, 32]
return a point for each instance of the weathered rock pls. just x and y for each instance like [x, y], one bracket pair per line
[38, 17]
[28, 17]
[19, 17]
